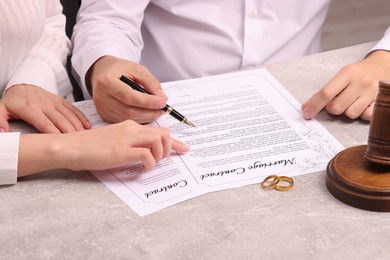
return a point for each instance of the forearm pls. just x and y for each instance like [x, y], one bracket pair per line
[116, 33]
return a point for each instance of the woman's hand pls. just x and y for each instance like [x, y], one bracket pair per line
[97, 149]
[45, 111]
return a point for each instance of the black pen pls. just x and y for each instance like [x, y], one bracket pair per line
[168, 109]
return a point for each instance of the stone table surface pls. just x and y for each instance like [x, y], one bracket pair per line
[71, 215]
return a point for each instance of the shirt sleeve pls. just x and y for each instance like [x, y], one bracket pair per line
[44, 65]
[106, 28]
[384, 43]
[9, 151]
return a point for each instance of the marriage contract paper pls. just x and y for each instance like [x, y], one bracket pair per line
[247, 127]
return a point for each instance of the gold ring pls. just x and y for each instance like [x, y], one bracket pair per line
[274, 182]
[284, 187]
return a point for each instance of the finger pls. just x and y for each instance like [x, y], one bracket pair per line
[156, 146]
[319, 100]
[4, 125]
[179, 146]
[357, 108]
[70, 117]
[367, 114]
[145, 78]
[60, 121]
[86, 124]
[149, 138]
[170, 143]
[109, 108]
[144, 156]
[352, 101]
[116, 111]
[142, 116]
[166, 141]
[131, 97]
[340, 103]
[167, 145]
[39, 120]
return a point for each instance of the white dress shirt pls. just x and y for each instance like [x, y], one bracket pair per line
[177, 39]
[33, 50]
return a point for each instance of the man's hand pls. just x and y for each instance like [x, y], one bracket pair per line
[45, 111]
[353, 90]
[115, 101]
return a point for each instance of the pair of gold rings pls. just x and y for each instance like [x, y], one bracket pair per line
[276, 182]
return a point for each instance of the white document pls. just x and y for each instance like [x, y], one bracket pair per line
[247, 127]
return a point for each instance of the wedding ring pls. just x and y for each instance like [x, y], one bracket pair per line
[274, 182]
[285, 179]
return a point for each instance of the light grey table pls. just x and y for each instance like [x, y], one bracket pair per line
[66, 215]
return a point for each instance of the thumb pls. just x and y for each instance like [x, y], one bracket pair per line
[4, 125]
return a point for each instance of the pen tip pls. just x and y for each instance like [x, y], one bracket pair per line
[189, 123]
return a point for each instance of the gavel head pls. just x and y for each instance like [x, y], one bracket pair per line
[378, 146]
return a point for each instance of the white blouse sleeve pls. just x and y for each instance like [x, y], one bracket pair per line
[384, 43]
[44, 65]
[9, 150]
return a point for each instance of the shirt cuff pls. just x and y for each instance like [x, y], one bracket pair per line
[384, 43]
[34, 72]
[9, 151]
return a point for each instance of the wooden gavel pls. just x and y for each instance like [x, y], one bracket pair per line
[378, 146]
[360, 176]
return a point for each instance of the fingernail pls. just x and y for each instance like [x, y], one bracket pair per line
[88, 125]
[306, 115]
[160, 104]
[2, 130]
[186, 147]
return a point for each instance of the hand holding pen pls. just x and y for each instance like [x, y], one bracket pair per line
[168, 109]
[116, 101]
